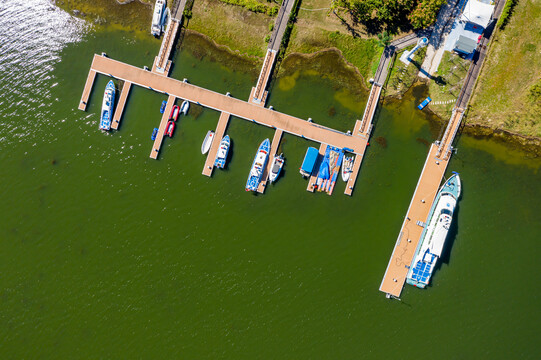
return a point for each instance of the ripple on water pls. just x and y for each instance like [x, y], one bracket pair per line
[33, 34]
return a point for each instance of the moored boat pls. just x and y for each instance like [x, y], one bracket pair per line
[276, 168]
[107, 106]
[170, 128]
[162, 108]
[185, 107]
[174, 113]
[158, 18]
[433, 237]
[205, 146]
[347, 167]
[223, 150]
[154, 134]
[260, 161]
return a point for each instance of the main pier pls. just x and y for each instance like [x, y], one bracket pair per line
[253, 110]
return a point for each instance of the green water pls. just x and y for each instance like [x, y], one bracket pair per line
[106, 253]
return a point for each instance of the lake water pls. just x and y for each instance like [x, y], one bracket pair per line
[105, 253]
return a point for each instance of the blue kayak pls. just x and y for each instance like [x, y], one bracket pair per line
[162, 108]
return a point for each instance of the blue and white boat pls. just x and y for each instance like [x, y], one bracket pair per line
[223, 150]
[185, 107]
[107, 106]
[258, 166]
[425, 102]
[433, 237]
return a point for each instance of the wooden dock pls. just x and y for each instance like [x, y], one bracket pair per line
[87, 90]
[417, 214]
[161, 130]
[274, 147]
[259, 95]
[370, 111]
[121, 104]
[218, 135]
[162, 63]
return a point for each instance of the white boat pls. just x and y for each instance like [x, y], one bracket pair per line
[107, 106]
[207, 142]
[260, 161]
[185, 107]
[223, 150]
[347, 167]
[158, 18]
[276, 168]
[433, 237]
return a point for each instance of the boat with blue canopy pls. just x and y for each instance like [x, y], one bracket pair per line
[107, 106]
[258, 166]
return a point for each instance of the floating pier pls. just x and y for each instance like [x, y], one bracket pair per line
[417, 214]
[87, 90]
[274, 147]
[121, 104]
[218, 135]
[161, 130]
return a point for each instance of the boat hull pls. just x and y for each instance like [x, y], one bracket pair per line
[185, 107]
[276, 168]
[107, 106]
[434, 235]
[258, 165]
[207, 142]
[223, 151]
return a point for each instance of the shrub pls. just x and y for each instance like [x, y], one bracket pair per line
[506, 13]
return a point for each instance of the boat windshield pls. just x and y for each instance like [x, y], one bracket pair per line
[446, 212]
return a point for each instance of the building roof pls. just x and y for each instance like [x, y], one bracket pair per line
[477, 12]
[465, 44]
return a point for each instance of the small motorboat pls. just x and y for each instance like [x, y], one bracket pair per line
[425, 102]
[223, 150]
[162, 108]
[347, 167]
[107, 106]
[207, 142]
[170, 128]
[174, 113]
[185, 107]
[276, 168]
[154, 134]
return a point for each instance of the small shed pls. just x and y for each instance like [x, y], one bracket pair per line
[465, 45]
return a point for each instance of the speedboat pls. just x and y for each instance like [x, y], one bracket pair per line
[433, 237]
[154, 134]
[107, 106]
[347, 167]
[158, 18]
[185, 107]
[223, 150]
[174, 113]
[276, 168]
[205, 146]
[162, 108]
[260, 161]
[170, 128]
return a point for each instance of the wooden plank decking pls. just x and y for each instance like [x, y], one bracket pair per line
[121, 104]
[161, 130]
[87, 90]
[274, 147]
[218, 135]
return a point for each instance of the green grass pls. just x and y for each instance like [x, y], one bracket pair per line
[447, 83]
[255, 6]
[402, 76]
[503, 95]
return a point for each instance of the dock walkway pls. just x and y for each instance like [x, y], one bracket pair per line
[161, 130]
[218, 135]
[121, 105]
[258, 94]
[224, 103]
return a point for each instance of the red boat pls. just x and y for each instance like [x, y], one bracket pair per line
[170, 128]
[174, 113]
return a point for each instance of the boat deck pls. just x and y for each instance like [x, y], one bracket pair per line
[274, 147]
[161, 130]
[121, 104]
[218, 135]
